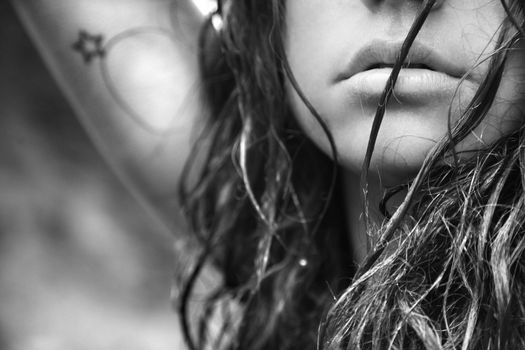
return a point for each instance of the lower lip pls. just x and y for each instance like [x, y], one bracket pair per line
[413, 84]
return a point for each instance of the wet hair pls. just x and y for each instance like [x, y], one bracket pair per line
[447, 269]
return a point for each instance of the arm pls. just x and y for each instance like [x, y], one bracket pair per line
[137, 92]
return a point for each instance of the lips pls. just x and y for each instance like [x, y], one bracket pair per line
[379, 54]
[427, 75]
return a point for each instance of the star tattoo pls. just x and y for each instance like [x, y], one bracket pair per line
[89, 46]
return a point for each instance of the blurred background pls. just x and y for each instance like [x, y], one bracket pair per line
[82, 266]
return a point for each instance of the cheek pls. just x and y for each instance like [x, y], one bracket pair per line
[507, 113]
[320, 38]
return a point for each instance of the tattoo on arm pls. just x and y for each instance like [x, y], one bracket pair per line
[89, 46]
[95, 49]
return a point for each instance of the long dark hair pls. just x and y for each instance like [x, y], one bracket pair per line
[447, 270]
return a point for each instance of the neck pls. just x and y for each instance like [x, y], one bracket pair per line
[359, 240]
[355, 218]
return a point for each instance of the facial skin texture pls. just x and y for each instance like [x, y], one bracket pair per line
[322, 39]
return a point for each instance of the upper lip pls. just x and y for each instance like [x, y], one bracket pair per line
[380, 52]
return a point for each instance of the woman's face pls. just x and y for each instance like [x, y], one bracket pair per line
[341, 51]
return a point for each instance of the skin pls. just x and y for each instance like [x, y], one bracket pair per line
[323, 36]
[93, 289]
[154, 71]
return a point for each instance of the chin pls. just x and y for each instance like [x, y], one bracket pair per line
[390, 165]
[403, 142]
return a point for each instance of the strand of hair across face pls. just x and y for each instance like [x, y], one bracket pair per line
[380, 113]
[387, 93]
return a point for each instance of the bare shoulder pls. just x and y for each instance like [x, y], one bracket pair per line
[130, 70]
